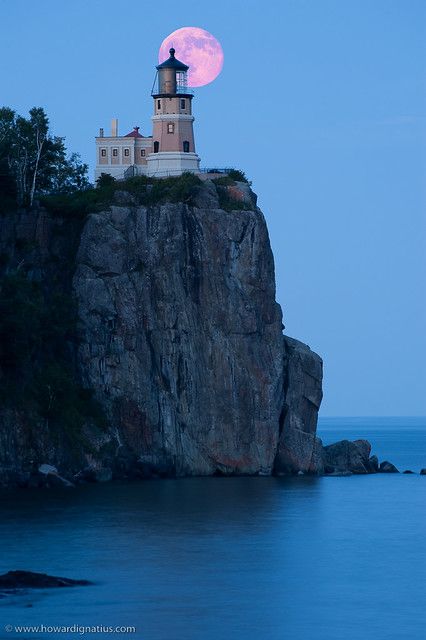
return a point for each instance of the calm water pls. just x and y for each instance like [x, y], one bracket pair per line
[240, 559]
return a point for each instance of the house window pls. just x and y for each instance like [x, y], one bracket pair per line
[186, 146]
[158, 104]
[115, 152]
[156, 146]
[143, 153]
[182, 103]
[127, 152]
[170, 127]
[103, 153]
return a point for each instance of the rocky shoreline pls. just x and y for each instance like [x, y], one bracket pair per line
[342, 458]
[354, 458]
[171, 359]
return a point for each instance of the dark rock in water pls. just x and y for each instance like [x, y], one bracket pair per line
[374, 464]
[31, 580]
[408, 471]
[387, 467]
[348, 456]
[423, 472]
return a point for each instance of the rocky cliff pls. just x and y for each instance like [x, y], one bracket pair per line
[180, 339]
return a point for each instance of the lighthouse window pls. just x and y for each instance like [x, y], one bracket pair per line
[158, 104]
[115, 152]
[182, 104]
[126, 152]
[156, 146]
[103, 153]
[186, 146]
[142, 152]
[170, 127]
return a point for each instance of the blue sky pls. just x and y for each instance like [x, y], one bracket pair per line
[322, 103]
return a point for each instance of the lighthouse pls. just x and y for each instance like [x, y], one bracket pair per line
[170, 151]
[173, 146]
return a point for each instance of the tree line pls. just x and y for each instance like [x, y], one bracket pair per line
[33, 161]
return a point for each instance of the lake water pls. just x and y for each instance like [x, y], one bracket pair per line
[232, 558]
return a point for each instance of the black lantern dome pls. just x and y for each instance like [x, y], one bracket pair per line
[173, 63]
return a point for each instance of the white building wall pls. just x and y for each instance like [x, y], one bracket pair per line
[172, 163]
[117, 165]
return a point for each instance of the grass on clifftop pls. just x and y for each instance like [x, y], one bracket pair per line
[145, 190]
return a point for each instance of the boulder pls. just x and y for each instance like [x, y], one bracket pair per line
[348, 456]
[374, 464]
[387, 467]
[423, 472]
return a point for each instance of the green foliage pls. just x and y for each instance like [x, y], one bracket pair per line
[238, 176]
[224, 181]
[37, 330]
[149, 191]
[231, 177]
[32, 161]
[77, 204]
[105, 180]
[146, 191]
[20, 323]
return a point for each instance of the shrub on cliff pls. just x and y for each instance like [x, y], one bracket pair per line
[149, 191]
[77, 204]
[145, 190]
[238, 176]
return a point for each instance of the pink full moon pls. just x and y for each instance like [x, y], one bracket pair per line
[199, 50]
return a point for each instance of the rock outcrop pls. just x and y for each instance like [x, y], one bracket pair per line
[349, 456]
[180, 339]
[299, 449]
[387, 467]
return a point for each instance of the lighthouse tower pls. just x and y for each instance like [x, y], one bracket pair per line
[173, 147]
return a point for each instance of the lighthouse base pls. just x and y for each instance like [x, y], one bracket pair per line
[171, 163]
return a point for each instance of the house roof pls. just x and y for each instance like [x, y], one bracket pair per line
[134, 134]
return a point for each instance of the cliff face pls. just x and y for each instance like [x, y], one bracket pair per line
[180, 338]
[299, 449]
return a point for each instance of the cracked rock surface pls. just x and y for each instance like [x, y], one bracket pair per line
[181, 339]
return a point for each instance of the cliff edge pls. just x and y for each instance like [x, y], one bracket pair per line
[179, 338]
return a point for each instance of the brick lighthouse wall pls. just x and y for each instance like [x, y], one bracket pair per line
[172, 132]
